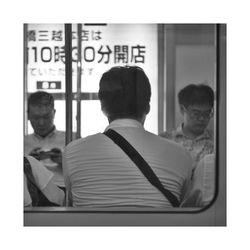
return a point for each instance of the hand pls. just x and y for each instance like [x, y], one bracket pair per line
[193, 200]
[35, 153]
[56, 156]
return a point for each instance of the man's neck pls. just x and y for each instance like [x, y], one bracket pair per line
[49, 132]
[189, 133]
[141, 120]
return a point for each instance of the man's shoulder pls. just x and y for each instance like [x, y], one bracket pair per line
[84, 141]
[166, 141]
[28, 136]
[174, 152]
[166, 134]
[57, 133]
[209, 134]
[60, 133]
[169, 134]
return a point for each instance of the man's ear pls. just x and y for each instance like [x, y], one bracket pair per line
[148, 109]
[104, 110]
[182, 109]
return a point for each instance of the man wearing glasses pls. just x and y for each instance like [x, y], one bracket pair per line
[196, 105]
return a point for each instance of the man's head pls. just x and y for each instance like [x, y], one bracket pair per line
[196, 105]
[41, 112]
[125, 93]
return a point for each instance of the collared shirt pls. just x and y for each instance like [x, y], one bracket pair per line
[198, 147]
[99, 174]
[56, 139]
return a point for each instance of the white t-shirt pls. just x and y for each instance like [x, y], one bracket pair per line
[99, 174]
[41, 175]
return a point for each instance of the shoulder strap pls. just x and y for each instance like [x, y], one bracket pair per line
[141, 164]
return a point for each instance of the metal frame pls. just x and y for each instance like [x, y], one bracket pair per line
[25, 79]
[79, 80]
[68, 81]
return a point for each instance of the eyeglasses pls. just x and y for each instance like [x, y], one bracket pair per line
[197, 114]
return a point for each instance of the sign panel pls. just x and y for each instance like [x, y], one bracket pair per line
[103, 46]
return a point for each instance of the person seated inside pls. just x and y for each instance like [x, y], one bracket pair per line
[202, 190]
[46, 143]
[37, 180]
[99, 174]
[196, 106]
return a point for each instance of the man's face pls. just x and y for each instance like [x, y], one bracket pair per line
[41, 118]
[196, 117]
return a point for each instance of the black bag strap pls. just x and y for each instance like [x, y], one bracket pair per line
[141, 164]
[37, 196]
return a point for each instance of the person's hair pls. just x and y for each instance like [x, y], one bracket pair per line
[124, 92]
[40, 98]
[196, 94]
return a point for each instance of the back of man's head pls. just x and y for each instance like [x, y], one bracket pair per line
[40, 98]
[196, 94]
[125, 92]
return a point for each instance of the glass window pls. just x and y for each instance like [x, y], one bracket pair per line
[173, 56]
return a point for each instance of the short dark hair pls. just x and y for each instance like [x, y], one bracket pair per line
[124, 92]
[40, 98]
[196, 94]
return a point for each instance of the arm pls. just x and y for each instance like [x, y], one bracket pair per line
[56, 156]
[202, 189]
[54, 194]
[43, 179]
[190, 197]
[193, 194]
[69, 199]
[166, 135]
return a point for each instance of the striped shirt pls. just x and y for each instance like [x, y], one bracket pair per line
[99, 174]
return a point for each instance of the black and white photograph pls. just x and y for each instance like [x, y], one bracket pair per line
[125, 119]
[124, 124]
